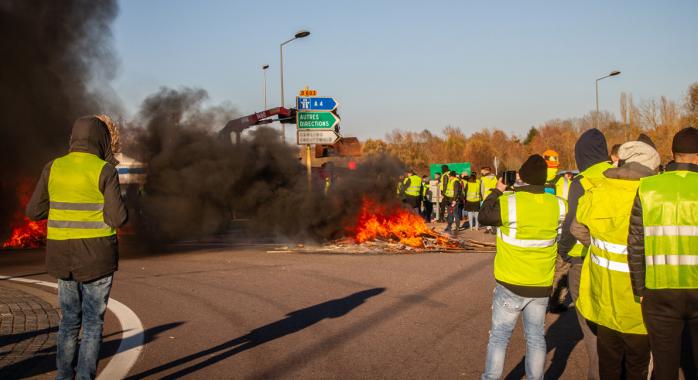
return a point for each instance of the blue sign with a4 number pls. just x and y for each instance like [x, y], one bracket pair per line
[316, 104]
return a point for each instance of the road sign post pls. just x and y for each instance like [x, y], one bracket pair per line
[316, 123]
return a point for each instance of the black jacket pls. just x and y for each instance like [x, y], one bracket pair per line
[84, 259]
[636, 237]
[589, 150]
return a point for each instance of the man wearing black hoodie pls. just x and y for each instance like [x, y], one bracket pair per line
[591, 154]
[80, 196]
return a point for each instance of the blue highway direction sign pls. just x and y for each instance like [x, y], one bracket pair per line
[315, 104]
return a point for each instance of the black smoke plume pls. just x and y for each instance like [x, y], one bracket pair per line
[55, 66]
[197, 180]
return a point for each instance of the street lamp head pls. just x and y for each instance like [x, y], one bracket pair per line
[302, 33]
[264, 67]
[614, 73]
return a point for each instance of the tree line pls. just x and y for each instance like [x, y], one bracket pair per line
[659, 118]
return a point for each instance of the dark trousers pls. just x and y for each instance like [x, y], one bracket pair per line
[622, 354]
[454, 214]
[667, 312]
[428, 209]
[574, 275]
[442, 209]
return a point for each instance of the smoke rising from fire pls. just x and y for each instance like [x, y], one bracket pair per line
[59, 65]
[56, 65]
[197, 180]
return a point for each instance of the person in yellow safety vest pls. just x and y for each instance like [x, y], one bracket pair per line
[400, 186]
[488, 182]
[562, 186]
[412, 189]
[427, 206]
[452, 198]
[79, 194]
[473, 197]
[442, 187]
[591, 153]
[605, 291]
[528, 222]
[552, 160]
[663, 255]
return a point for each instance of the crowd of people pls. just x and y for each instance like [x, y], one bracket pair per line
[622, 233]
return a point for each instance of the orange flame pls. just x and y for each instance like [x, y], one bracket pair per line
[394, 223]
[25, 232]
[28, 235]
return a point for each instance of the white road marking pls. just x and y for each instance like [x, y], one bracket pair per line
[132, 337]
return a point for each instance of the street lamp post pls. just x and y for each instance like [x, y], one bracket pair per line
[264, 70]
[612, 74]
[300, 34]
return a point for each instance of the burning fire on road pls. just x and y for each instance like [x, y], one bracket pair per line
[382, 222]
[25, 233]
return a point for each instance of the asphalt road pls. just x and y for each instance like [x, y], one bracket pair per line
[238, 312]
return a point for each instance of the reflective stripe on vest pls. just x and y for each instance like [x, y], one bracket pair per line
[670, 218]
[594, 171]
[671, 260]
[527, 239]
[76, 207]
[608, 264]
[619, 249]
[671, 231]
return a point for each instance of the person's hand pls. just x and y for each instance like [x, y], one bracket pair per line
[453, 204]
[500, 185]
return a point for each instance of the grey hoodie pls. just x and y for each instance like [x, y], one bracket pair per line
[84, 259]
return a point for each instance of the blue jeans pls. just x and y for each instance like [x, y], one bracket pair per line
[506, 307]
[472, 219]
[82, 304]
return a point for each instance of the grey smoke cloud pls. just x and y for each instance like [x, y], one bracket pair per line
[196, 180]
[56, 66]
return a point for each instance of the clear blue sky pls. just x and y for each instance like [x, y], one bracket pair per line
[413, 65]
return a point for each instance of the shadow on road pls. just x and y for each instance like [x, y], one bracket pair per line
[562, 336]
[45, 360]
[294, 322]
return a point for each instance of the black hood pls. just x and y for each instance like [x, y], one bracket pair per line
[91, 135]
[590, 149]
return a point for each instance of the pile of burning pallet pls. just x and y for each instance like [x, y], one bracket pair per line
[390, 229]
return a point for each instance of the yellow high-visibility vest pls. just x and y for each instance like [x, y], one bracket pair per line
[562, 187]
[473, 191]
[592, 172]
[670, 219]
[489, 183]
[605, 291]
[450, 188]
[415, 186]
[76, 209]
[527, 239]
